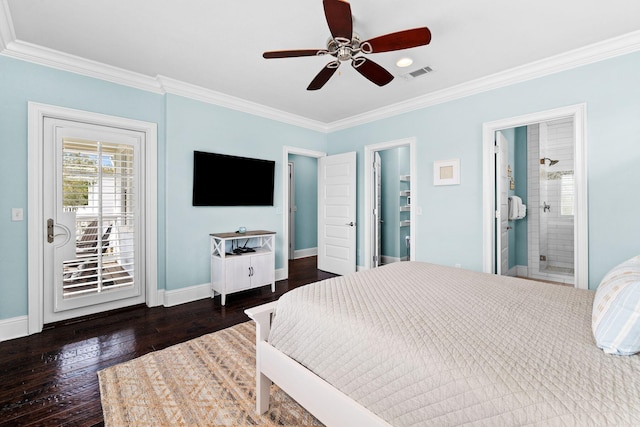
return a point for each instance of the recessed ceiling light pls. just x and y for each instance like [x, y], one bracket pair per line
[404, 62]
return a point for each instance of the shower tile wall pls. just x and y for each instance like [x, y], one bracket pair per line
[560, 227]
[550, 232]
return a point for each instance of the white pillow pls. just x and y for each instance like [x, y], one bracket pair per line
[616, 310]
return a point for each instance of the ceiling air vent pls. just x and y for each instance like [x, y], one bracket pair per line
[417, 73]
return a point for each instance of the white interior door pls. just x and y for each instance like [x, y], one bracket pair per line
[93, 207]
[377, 220]
[502, 208]
[337, 213]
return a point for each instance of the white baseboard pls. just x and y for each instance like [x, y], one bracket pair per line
[303, 253]
[15, 327]
[195, 293]
[18, 327]
[184, 295]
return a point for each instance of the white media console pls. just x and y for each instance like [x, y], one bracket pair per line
[241, 261]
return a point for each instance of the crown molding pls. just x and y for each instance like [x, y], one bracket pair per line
[199, 93]
[11, 47]
[7, 33]
[607, 49]
[78, 65]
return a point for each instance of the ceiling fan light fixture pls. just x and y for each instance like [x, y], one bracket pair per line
[345, 45]
[404, 62]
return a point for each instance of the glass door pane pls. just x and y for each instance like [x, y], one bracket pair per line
[98, 188]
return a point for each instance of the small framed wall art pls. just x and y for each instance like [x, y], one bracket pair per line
[446, 172]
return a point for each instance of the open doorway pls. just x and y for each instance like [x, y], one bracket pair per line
[537, 162]
[390, 202]
[303, 206]
[299, 212]
[535, 191]
[392, 199]
[336, 210]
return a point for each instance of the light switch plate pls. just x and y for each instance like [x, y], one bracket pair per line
[17, 214]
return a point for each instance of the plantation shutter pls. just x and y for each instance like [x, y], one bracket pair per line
[99, 188]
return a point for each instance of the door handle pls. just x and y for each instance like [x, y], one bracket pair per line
[50, 235]
[350, 224]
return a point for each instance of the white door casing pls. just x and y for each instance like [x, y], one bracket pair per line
[370, 203]
[37, 230]
[337, 213]
[581, 228]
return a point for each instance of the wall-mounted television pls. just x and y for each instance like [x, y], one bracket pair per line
[223, 180]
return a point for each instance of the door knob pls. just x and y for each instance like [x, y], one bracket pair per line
[350, 224]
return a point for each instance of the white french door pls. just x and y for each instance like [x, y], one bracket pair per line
[93, 209]
[337, 213]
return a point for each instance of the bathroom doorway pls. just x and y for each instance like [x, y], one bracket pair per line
[535, 189]
[539, 183]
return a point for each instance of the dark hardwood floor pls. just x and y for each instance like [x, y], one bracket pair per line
[50, 379]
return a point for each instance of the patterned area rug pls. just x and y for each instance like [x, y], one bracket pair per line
[208, 381]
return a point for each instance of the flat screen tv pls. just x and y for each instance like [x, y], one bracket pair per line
[223, 180]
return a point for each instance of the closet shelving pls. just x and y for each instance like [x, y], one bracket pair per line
[405, 194]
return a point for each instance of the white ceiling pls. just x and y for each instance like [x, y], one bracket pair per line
[218, 45]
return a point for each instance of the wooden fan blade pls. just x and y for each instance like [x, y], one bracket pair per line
[291, 53]
[323, 76]
[338, 14]
[396, 41]
[371, 70]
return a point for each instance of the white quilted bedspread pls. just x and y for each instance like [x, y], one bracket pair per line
[422, 344]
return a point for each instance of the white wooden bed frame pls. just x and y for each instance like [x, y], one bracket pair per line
[325, 402]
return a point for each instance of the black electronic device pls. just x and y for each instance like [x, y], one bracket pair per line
[243, 250]
[252, 183]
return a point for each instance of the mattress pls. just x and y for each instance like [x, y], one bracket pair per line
[423, 344]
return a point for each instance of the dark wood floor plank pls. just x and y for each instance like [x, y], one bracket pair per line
[50, 379]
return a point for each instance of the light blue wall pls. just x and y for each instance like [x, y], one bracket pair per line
[183, 230]
[306, 197]
[450, 229]
[448, 232]
[22, 82]
[194, 125]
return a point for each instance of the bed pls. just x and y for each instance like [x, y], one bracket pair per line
[414, 343]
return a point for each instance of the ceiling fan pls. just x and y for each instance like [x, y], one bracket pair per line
[345, 45]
